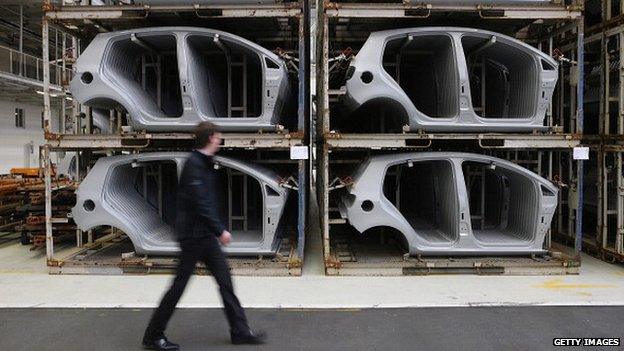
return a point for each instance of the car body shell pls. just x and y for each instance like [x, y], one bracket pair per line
[114, 203]
[107, 88]
[384, 87]
[368, 182]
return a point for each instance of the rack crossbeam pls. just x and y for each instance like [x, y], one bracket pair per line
[141, 141]
[514, 141]
[381, 10]
[142, 12]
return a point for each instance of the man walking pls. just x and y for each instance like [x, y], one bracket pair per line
[199, 231]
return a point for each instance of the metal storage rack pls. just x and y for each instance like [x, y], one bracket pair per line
[345, 25]
[603, 235]
[288, 23]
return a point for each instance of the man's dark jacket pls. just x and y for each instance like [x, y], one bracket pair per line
[197, 210]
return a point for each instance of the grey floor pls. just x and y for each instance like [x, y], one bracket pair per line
[461, 328]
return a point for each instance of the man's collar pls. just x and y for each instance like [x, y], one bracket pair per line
[204, 155]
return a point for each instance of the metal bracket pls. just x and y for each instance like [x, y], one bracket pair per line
[338, 61]
[338, 183]
[558, 182]
[289, 183]
[291, 61]
[558, 55]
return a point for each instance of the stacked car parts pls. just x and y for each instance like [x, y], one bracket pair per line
[452, 203]
[168, 79]
[453, 79]
[437, 79]
[448, 79]
[136, 193]
[171, 78]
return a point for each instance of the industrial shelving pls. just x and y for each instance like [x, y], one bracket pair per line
[281, 26]
[342, 27]
[603, 234]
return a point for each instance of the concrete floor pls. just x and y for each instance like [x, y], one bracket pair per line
[480, 328]
[349, 313]
[25, 283]
[312, 312]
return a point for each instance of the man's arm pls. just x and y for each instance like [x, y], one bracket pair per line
[203, 196]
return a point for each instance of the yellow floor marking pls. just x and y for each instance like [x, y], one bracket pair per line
[18, 271]
[347, 309]
[558, 283]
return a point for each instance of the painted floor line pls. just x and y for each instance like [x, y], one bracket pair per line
[316, 306]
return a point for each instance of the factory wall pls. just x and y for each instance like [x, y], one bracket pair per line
[19, 146]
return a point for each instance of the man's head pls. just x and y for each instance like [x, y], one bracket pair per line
[207, 137]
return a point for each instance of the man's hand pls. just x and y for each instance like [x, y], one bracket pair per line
[225, 238]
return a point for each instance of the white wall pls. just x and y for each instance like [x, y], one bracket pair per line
[15, 142]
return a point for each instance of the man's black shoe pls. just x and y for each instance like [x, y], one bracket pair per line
[251, 338]
[160, 344]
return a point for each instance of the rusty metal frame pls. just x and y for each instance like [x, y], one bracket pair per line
[424, 10]
[139, 141]
[608, 143]
[548, 144]
[605, 209]
[560, 263]
[77, 261]
[69, 19]
[140, 12]
[485, 140]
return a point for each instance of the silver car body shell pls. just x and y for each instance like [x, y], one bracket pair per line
[384, 87]
[107, 86]
[368, 186]
[115, 204]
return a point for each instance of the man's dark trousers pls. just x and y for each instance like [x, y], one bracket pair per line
[207, 250]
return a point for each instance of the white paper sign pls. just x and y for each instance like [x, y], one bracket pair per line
[298, 152]
[581, 153]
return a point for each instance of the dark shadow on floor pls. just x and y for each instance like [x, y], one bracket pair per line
[437, 329]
